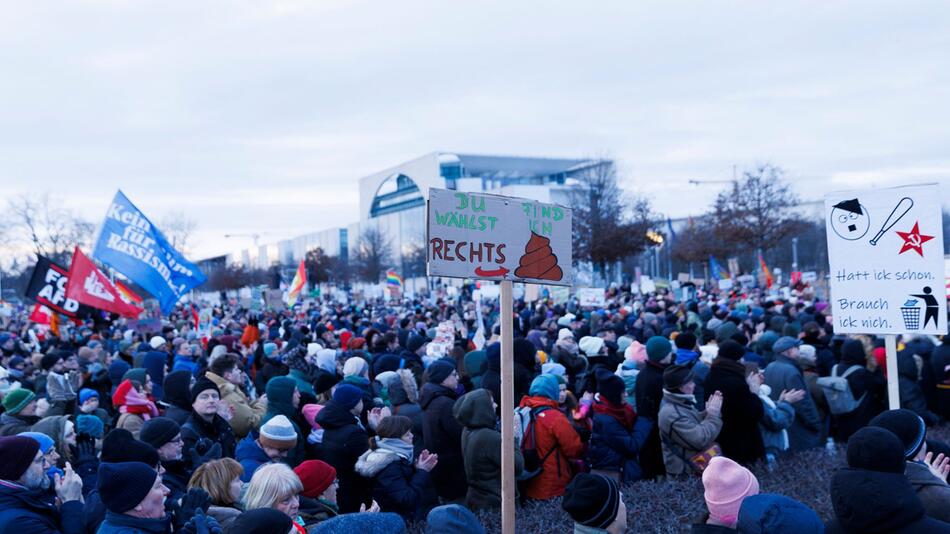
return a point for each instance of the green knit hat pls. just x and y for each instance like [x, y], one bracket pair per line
[658, 347]
[17, 399]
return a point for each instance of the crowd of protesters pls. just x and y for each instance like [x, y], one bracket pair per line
[363, 417]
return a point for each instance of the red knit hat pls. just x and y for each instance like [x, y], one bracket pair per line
[316, 477]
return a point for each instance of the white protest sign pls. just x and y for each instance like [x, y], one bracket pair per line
[725, 284]
[491, 237]
[591, 296]
[885, 249]
[647, 285]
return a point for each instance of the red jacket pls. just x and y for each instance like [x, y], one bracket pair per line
[553, 430]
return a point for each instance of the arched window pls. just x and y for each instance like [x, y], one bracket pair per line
[396, 193]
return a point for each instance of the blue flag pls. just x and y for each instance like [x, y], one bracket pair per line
[132, 245]
[669, 227]
[717, 272]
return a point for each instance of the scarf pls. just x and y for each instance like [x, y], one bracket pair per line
[137, 403]
[623, 413]
[685, 356]
[396, 446]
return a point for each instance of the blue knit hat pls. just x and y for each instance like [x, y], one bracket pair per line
[452, 518]
[777, 514]
[269, 348]
[86, 394]
[545, 386]
[439, 370]
[46, 442]
[90, 424]
[364, 523]
[347, 396]
[122, 486]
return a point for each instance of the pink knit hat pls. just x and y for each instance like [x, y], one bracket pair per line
[310, 412]
[727, 483]
[636, 352]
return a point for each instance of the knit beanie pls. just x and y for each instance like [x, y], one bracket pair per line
[355, 366]
[564, 333]
[138, 374]
[156, 342]
[278, 433]
[552, 368]
[590, 345]
[49, 360]
[90, 425]
[120, 446]
[686, 340]
[260, 521]
[907, 426]
[439, 370]
[123, 485]
[269, 348]
[776, 514]
[545, 386]
[18, 453]
[86, 394]
[158, 431]
[611, 387]
[347, 396]
[675, 376]
[202, 384]
[876, 449]
[310, 412]
[726, 484]
[730, 350]
[475, 362]
[316, 476]
[415, 342]
[658, 347]
[592, 500]
[17, 399]
[623, 343]
[452, 518]
[46, 442]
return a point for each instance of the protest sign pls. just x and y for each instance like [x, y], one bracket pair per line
[647, 285]
[809, 276]
[491, 237]
[48, 287]
[132, 245]
[591, 296]
[885, 249]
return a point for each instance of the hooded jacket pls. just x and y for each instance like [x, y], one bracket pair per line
[344, 440]
[442, 434]
[251, 456]
[742, 411]
[870, 502]
[11, 425]
[404, 400]
[649, 395]
[615, 448]
[481, 450]
[280, 401]
[26, 512]
[784, 374]
[911, 394]
[398, 486]
[177, 396]
[154, 362]
[553, 431]
[684, 431]
[247, 415]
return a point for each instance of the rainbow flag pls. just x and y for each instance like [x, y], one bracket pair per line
[718, 273]
[393, 279]
[765, 271]
[127, 294]
[300, 280]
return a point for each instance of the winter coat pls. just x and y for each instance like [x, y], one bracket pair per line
[911, 394]
[933, 492]
[871, 502]
[398, 485]
[552, 431]
[224, 515]
[11, 425]
[570, 358]
[784, 374]
[315, 511]
[684, 431]
[155, 364]
[247, 415]
[26, 512]
[481, 450]
[404, 400]
[217, 430]
[615, 448]
[131, 422]
[177, 398]
[742, 411]
[176, 478]
[491, 380]
[442, 434]
[649, 396]
[280, 402]
[940, 363]
[126, 524]
[251, 456]
[344, 440]
[862, 383]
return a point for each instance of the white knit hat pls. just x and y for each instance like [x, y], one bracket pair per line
[278, 433]
[564, 333]
[354, 366]
[590, 345]
[156, 342]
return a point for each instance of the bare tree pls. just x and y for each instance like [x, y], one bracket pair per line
[414, 261]
[756, 211]
[178, 229]
[373, 254]
[323, 268]
[698, 241]
[39, 222]
[608, 224]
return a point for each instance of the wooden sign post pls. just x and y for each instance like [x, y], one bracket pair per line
[505, 239]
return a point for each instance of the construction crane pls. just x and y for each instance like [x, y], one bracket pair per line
[254, 236]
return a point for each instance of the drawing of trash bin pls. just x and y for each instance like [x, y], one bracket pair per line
[911, 314]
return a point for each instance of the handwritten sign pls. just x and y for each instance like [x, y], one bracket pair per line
[885, 247]
[489, 237]
[591, 296]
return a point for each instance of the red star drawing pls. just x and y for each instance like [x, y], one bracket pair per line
[914, 240]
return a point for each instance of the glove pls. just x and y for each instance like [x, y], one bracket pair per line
[195, 501]
[202, 524]
[205, 451]
[85, 450]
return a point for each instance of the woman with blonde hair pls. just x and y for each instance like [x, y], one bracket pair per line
[222, 480]
[276, 486]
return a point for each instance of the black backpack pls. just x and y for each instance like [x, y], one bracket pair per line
[533, 462]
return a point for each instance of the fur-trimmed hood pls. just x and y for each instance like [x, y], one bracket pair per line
[371, 462]
[404, 391]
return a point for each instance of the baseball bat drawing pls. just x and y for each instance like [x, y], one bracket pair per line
[903, 206]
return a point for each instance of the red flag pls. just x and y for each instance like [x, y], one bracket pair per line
[89, 286]
[194, 316]
[41, 314]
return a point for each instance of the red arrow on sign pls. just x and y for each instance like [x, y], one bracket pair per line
[501, 271]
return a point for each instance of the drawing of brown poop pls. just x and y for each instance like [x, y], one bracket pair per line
[539, 261]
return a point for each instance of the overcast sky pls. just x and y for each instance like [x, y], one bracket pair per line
[261, 116]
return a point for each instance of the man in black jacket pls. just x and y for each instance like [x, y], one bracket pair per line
[649, 392]
[742, 410]
[344, 440]
[442, 433]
